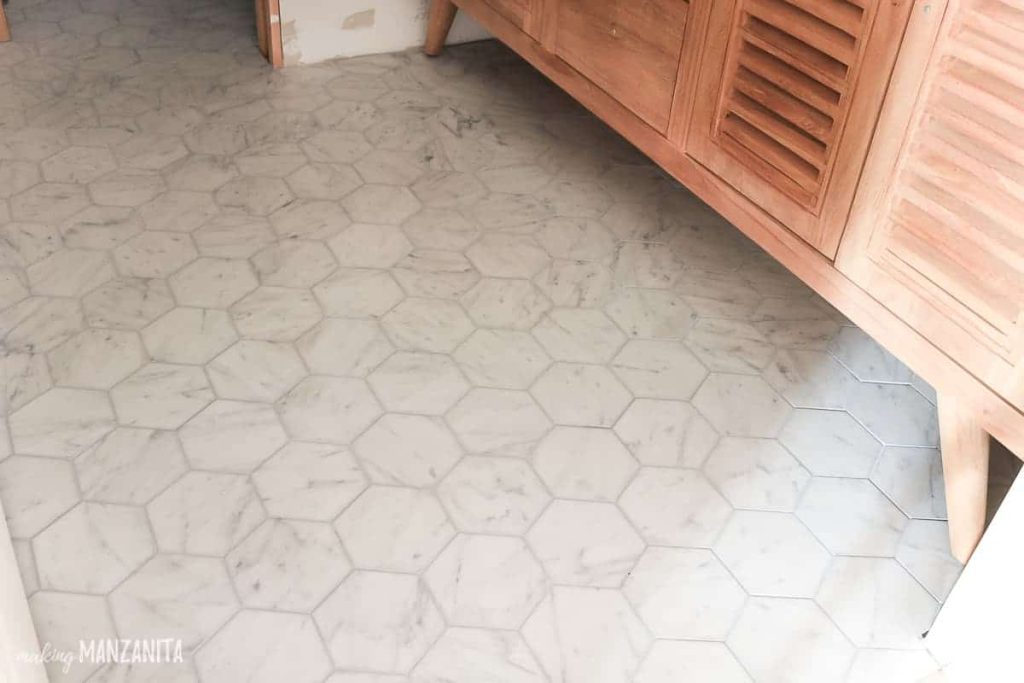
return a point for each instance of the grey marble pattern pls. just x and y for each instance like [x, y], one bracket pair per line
[408, 370]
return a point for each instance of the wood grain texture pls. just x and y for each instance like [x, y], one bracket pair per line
[5, 28]
[630, 49]
[789, 92]
[937, 231]
[439, 22]
[992, 412]
[965, 451]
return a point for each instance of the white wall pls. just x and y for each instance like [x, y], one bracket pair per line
[315, 30]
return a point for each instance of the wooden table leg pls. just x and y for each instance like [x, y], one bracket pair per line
[439, 22]
[5, 29]
[965, 448]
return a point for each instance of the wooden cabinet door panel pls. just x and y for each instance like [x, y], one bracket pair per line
[519, 12]
[937, 231]
[787, 98]
[629, 48]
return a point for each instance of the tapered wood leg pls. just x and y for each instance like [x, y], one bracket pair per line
[5, 29]
[965, 447]
[439, 22]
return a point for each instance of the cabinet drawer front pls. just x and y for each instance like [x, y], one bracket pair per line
[629, 48]
[788, 95]
[937, 233]
[516, 11]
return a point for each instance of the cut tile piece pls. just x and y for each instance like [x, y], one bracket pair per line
[867, 359]
[161, 396]
[584, 463]
[756, 474]
[492, 495]
[851, 517]
[893, 666]
[465, 654]
[62, 621]
[738, 405]
[877, 603]
[93, 548]
[659, 369]
[255, 371]
[585, 544]
[782, 640]
[674, 661]
[309, 481]
[35, 491]
[772, 554]
[895, 413]
[264, 647]
[587, 634]
[486, 581]
[394, 529]
[498, 422]
[409, 450]
[345, 347]
[666, 433]
[287, 565]
[675, 507]
[189, 335]
[174, 596]
[830, 443]
[684, 594]
[204, 513]
[329, 409]
[381, 622]
[61, 423]
[232, 436]
[503, 359]
[924, 552]
[423, 383]
[130, 466]
[581, 395]
[912, 478]
[810, 379]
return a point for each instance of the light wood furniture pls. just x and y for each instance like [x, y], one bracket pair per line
[874, 147]
[268, 31]
[5, 29]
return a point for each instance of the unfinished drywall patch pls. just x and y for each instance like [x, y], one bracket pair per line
[315, 30]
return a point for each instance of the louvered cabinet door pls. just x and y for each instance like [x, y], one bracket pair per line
[787, 97]
[937, 230]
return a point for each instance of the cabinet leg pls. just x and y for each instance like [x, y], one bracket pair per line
[5, 29]
[439, 22]
[965, 448]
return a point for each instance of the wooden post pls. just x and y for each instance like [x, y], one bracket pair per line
[439, 22]
[5, 29]
[965, 448]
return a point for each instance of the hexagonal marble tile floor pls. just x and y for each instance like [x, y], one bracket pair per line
[397, 369]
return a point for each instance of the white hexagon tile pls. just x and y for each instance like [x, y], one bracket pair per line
[401, 370]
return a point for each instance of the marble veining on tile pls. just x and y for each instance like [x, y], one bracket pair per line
[409, 370]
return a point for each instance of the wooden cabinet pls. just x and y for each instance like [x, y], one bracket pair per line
[629, 48]
[786, 102]
[937, 233]
[874, 147]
